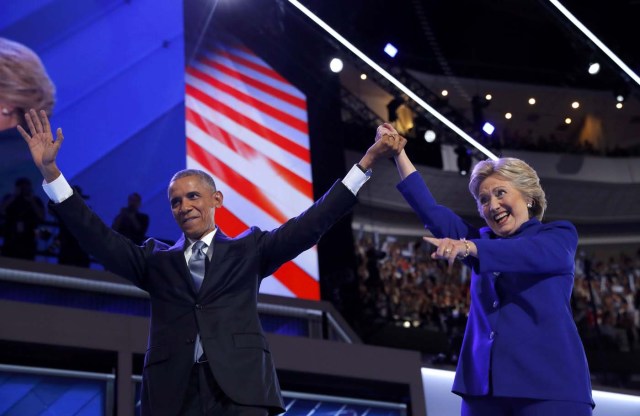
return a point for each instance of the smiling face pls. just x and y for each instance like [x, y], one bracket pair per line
[193, 204]
[502, 206]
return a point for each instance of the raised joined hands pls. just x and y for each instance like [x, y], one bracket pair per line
[388, 143]
[43, 147]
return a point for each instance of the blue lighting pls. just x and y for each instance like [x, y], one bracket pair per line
[391, 50]
[488, 128]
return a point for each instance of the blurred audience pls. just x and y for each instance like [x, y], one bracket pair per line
[400, 284]
[130, 222]
[22, 212]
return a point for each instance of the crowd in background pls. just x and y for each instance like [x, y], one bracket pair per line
[400, 284]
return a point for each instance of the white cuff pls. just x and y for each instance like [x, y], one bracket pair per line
[58, 190]
[355, 179]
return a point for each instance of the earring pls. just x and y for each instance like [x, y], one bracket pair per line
[530, 205]
[5, 111]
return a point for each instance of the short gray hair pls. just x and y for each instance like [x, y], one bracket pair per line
[204, 177]
[523, 177]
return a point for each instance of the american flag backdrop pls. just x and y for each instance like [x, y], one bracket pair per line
[247, 126]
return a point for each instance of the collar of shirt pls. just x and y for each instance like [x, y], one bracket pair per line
[208, 239]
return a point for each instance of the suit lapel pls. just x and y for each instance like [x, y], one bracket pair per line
[177, 258]
[219, 247]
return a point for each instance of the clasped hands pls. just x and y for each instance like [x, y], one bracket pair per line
[388, 143]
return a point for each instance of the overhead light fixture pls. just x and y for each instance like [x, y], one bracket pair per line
[336, 65]
[596, 41]
[619, 106]
[508, 116]
[422, 103]
[363, 76]
[430, 136]
[488, 128]
[575, 104]
[532, 101]
[444, 93]
[488, 97]
[567, 120]
[594, 68]
[390, 50]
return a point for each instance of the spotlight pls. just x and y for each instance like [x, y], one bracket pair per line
[567, 120]
[508, 116]
[619, 106]
[430, 136]
[336, 65]
[488, 97]
[363, 76]
[444, 93]
[620, 98]
[488, 128]
[594, 68]
[575, 104]
[390, 50]
[406, 324]
[532, 101]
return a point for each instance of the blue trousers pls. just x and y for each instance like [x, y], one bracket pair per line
[510, 406]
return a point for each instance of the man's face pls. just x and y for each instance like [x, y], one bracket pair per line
[193, 204]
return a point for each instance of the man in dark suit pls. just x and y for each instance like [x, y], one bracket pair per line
[207, 353]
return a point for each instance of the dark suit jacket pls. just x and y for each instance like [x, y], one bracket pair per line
[520, 339]
[224, 311]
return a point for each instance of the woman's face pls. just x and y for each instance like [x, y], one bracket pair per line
[503, 207]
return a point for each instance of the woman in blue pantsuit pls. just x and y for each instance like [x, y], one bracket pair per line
[521, 354]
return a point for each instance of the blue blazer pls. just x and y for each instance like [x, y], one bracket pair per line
[521, 339]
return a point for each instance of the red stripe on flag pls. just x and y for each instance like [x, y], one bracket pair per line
[291, 99]
[240, 183]
[264, 70]
[298, 281]
[216, 132]
[279, 140]
[231, 224]
[288, 119]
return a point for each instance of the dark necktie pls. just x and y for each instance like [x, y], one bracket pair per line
[197, 263]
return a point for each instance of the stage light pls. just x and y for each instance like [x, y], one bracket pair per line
[406, 324]
[488, 97]
[430, 136]
[595, 40]
[336, 65]
[363, 76]
[444, 93]
[619, 106]
[508, 116]
[436, 114]
[567, 120]
[488, 128]
[594, 68]
[619, 98]
[532, 101]
[390, 50]
[575, 104]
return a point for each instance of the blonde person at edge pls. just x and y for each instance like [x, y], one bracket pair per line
[521, 354]
[207, 353]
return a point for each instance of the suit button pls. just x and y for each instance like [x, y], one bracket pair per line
[198, 306]
[496, 304]
[492, 335]
[190, 341]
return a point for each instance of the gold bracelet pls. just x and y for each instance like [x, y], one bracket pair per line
[466, 253]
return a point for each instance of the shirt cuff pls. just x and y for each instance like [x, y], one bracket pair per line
[57, 190]
[355, 179]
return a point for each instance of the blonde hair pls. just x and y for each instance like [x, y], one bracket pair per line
[523, 177]
[24, 83]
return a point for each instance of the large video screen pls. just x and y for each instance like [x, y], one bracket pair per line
[247, 126]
